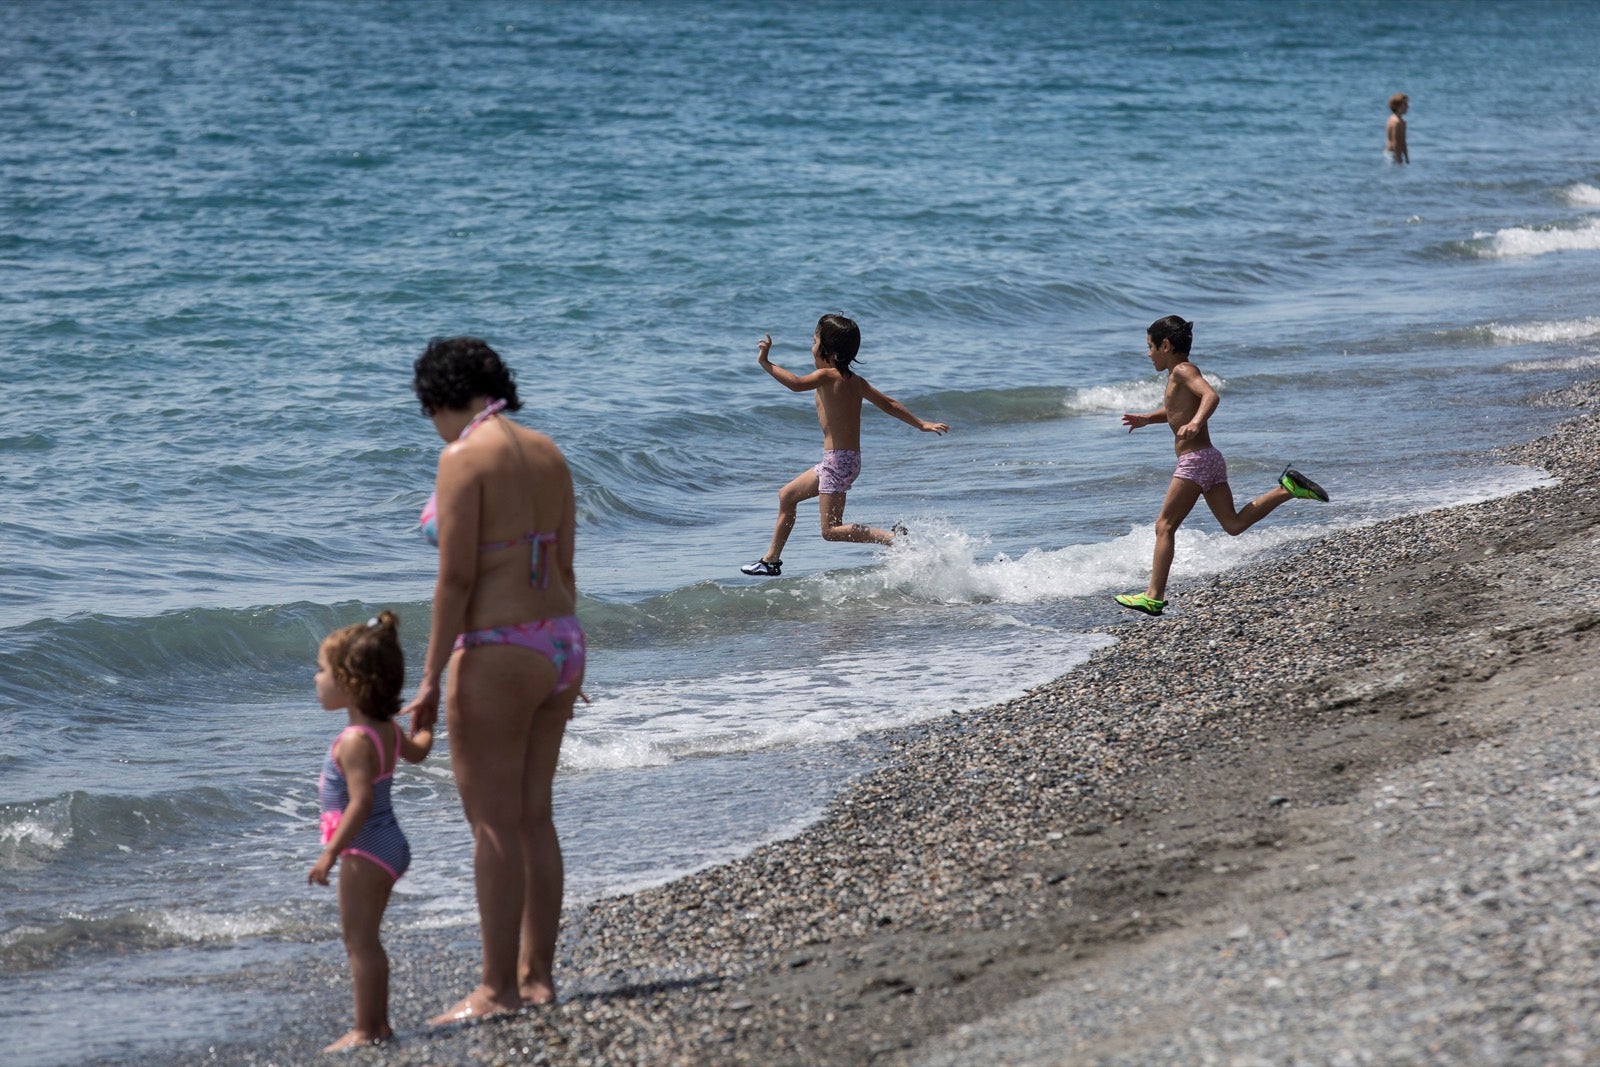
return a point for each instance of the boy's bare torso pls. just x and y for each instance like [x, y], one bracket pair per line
[839, 411]
[1183, 404]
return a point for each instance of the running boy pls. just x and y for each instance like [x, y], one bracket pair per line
[1186, 407]
[840, 392]
[1394, 138]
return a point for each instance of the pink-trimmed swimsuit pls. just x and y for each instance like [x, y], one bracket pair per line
[380, 839]
[560, 640]
[1204, 467]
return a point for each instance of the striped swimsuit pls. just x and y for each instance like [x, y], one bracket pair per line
[380, 839]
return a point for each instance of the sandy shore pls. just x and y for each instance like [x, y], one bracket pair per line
[1335, 808]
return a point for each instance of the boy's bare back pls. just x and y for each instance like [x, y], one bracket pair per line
[839, 409]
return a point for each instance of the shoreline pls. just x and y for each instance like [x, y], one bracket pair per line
[1098, 824]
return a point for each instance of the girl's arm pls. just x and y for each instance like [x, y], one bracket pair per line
[359, 761]
[458, 494]
[890, 406]
[415, 748]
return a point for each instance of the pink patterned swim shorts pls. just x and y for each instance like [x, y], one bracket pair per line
[838, 470]
[1204, 467]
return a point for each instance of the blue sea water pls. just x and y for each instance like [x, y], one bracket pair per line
[229, 229]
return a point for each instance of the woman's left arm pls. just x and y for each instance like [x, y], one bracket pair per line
[458, 492]
[566, 540]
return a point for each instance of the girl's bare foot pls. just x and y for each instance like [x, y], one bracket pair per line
[357, 1038]
[478, 1004]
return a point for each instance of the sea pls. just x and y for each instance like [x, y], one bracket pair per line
[229, 228]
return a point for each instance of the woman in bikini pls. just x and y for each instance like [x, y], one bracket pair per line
[502, 515]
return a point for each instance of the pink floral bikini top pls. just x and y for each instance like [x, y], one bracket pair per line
[542, 541]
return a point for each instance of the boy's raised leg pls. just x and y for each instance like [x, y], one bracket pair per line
[831, 508]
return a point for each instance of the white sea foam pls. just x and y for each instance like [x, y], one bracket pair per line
[30, 835]
[1142, 395]
[1524, 366]
[1520, 241]
[1472, 488]
[1564, 331]
[190, 924]
[1581, 194]
[944, 565]
[834, 698]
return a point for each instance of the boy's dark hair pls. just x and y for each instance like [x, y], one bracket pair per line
[365, 659]
[1174, 329]
[453, 370]
[841, 340]
[1396, 100]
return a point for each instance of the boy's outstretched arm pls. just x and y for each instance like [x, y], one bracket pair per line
[890, 406]
[1134, 422]
[789, 378]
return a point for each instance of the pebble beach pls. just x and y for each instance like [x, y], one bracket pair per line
[1336, 807]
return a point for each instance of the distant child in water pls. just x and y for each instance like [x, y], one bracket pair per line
[1186, 408]
[1394, 141]
[361, 669]
[840, 392]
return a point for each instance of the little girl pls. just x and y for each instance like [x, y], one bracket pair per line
[360, 668]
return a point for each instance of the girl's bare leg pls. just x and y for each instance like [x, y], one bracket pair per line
[491, 718]
[802, 488]
[543, 873]
[363, 895]
[831, 508]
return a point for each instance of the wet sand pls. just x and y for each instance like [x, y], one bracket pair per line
[1337, 807]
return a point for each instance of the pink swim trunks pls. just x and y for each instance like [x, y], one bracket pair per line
[838, 469]
[1204, 467]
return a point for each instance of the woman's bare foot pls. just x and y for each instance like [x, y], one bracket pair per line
[478, 1004]
[538, 994]
[357, 1038]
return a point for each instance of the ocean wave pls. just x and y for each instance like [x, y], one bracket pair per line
[836, 698]
[1145, 394]
[1581, 194]
[171, 654]
[36, 834]
[1517, 242]
[36, 946]
[1566, 363]
[1559, 332]
[943, 565]
[1002, 301]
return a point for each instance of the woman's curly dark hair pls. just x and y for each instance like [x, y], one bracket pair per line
[365, 659]
[453, 370]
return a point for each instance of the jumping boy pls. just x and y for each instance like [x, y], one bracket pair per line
[1187, 405]
[840, 392]
[1394, 140]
